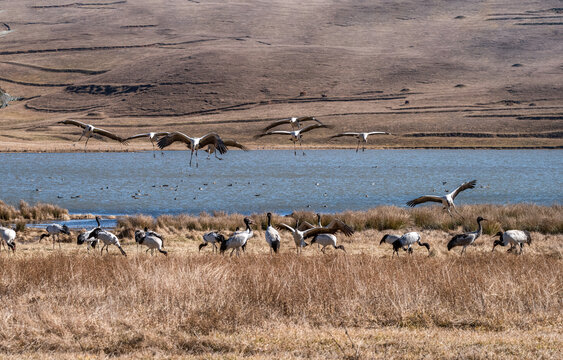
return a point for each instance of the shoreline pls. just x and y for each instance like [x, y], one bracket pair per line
[308, 148]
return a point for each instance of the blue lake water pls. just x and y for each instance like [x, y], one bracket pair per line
[276, 180]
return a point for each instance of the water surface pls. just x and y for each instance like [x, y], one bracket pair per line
[276, 180]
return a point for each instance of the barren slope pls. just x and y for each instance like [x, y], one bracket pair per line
[425, 72]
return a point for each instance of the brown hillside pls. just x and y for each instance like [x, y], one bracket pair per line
[455, 73]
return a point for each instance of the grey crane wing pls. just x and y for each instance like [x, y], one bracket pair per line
[137, 136]
[73, 122]
[234, 143]
[215, 140]
[110, 135]
[306, 226]
[345, 134]
[172, 138]
[465, 186]
[378, 133]
[276, 123]
[424, 199]
[332, 228]
[282, 226]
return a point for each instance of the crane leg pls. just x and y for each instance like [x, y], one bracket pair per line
[191, 156]
[86, 143]
[153, 154]
[301, 146]
[294, 149]
[358, 147]
[217, 157]
[196, 160]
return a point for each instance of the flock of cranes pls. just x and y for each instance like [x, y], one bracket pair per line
[213, 142]
[322, 235]
[325, 236]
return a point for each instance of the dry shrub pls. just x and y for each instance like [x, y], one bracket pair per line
[7, 212]
[41, 211]
[127, 225]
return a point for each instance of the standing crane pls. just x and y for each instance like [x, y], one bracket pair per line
[466, 239]
[272, 236]
[513, 237]
[361, 136]
[446, 200]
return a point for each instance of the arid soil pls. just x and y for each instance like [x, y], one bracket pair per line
[450, 74]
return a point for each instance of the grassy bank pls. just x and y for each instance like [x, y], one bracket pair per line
[543, 219]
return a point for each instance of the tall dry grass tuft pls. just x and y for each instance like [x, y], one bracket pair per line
[74, 302]
[39, 211]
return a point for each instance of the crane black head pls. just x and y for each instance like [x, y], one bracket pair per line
[479, 219]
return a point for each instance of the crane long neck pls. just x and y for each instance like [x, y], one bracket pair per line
[479, 229]
[269, 220]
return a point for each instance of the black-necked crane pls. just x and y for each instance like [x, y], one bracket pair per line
[89, 130]
[8, 237]
[389, 238]
[361, 136]
[513, 237]
[446, 200]
[300, 236]
[272, 236]
[84, 237]
[153, 136]
[213, 238]
[6, 98]
[54, 231]
[193, 143]
[467, 239]
[107, 238]
[150, 240]
[296, 135]
[295, 122]
[407, 240]
[238, 239]
[228, 143]
[326, 240]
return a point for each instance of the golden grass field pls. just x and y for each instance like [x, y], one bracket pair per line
[67, 302]
[448, 74]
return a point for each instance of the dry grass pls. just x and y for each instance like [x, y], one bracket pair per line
[544, 219]
[67, 302]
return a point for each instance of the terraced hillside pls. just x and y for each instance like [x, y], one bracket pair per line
[454, 73]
